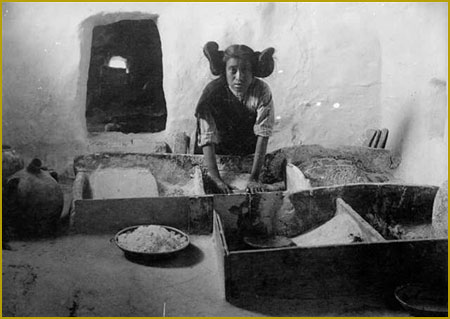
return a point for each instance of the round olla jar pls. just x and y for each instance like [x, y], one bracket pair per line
[11, 162]
[33, 202]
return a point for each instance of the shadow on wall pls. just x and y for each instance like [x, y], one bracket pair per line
[403, 129]
[85, 33]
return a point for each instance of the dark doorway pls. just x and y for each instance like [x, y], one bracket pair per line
[124, 88]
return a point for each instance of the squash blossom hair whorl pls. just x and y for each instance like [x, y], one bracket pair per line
[262, 62]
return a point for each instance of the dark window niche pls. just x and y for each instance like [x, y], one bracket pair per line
[124, 88]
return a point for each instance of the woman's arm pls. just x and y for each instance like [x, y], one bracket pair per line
[260, 151]
[264, 123]
[209, 154]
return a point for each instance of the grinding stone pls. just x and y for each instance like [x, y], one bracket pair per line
[123, 183]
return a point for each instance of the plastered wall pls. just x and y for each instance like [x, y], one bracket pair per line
[341, 68]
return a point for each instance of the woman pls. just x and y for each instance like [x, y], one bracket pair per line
[235, 113]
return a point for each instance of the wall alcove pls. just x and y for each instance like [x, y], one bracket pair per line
[124, 86]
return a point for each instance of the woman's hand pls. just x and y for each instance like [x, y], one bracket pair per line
[254, 186]
[221, 186]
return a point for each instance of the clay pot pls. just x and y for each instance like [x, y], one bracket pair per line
[11, 162]
[33, 202]
[440, 211]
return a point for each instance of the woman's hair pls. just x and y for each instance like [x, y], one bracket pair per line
[240, 51]
[262, 62]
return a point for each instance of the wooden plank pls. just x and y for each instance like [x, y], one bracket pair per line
[313, 207]
[252, 212]
[221, 247]
[220, 236]
[94, 161]
[404, 203]
[80, 187]
[110, 215]
[342, 229]
[222, 254]
[229, 208]
[383, 138]
[373, 143]
[356, 270]
[369, 136]
[370, 234]
[264, 208]
[201, 215]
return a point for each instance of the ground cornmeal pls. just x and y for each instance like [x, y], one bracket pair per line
[151, 239]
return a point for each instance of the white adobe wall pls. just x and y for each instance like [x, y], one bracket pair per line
[385, 65]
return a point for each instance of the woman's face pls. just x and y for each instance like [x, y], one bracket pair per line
[239, 75]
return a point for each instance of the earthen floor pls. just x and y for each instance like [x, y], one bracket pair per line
[80, 275]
